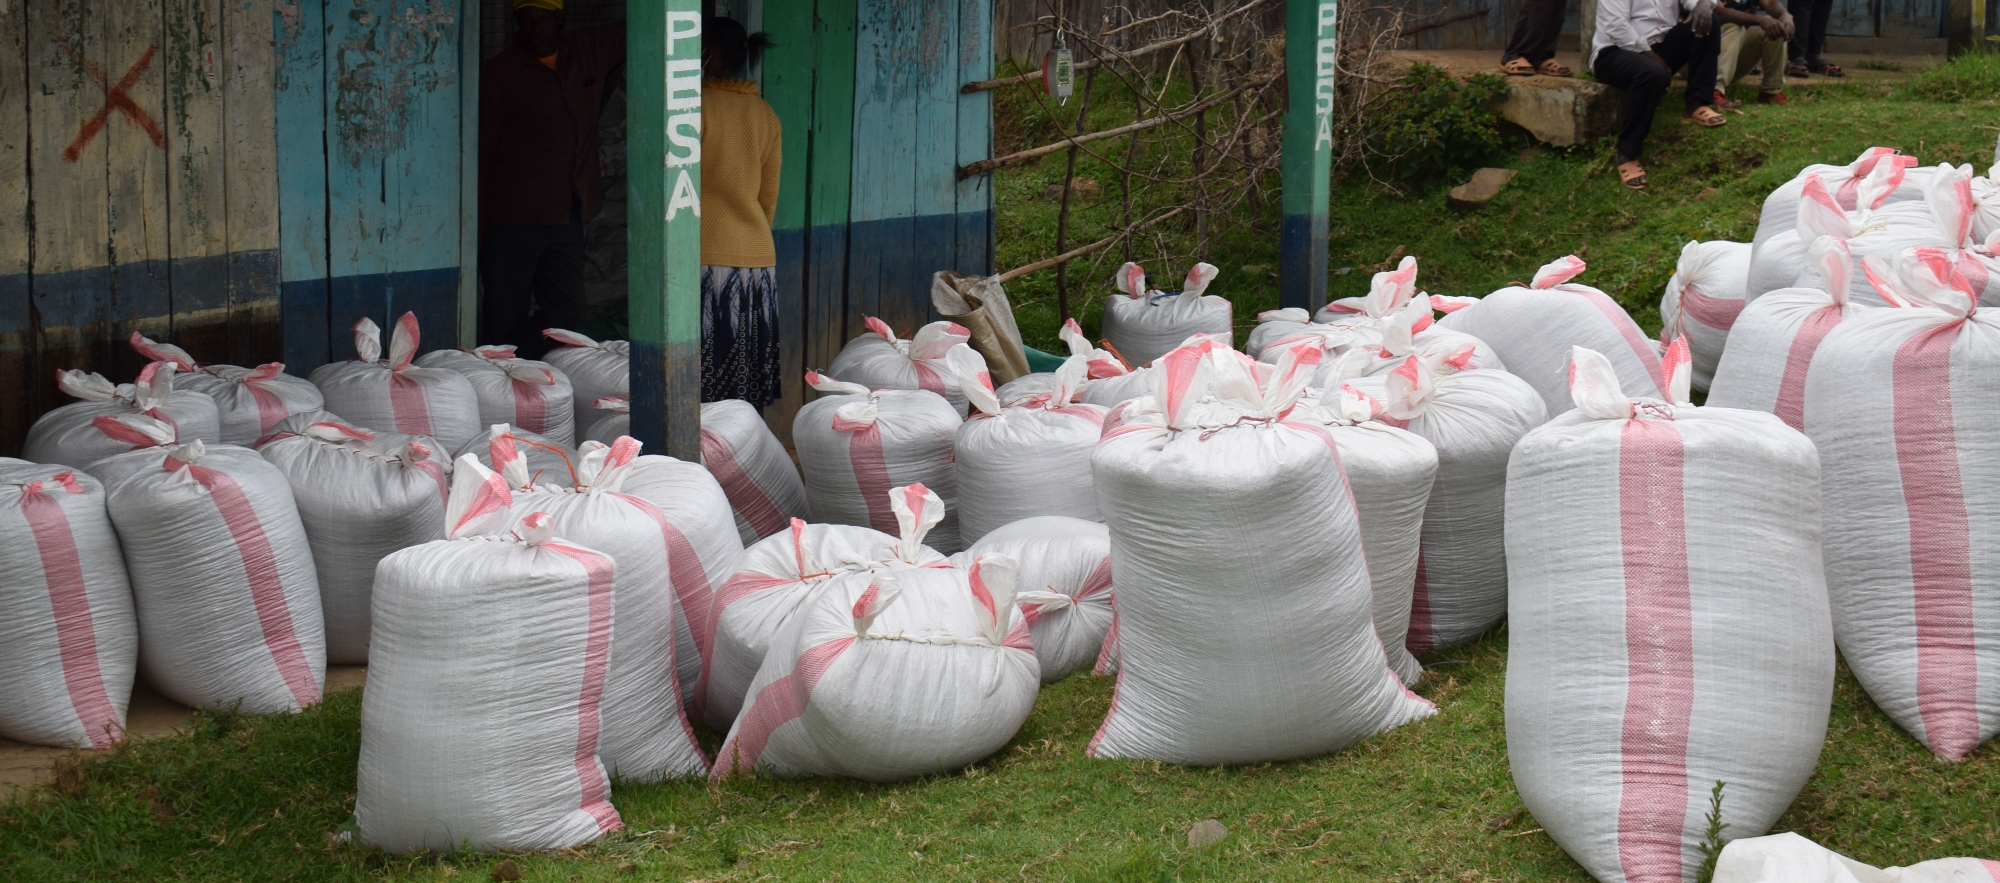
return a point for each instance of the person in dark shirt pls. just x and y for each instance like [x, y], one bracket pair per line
[539, 178]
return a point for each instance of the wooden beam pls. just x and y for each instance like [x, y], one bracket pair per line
[468, 176]
[1311, 49]
[1140, 52]
[986, 165]
[663, 83]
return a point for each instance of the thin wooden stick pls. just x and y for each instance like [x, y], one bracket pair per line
[986, 165]
[1082, 250]
[1062, 216]
[1161, 46]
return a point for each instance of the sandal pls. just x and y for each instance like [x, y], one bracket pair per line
[1632, 175]
[1554, 68]
[1706, 117]
[1517, 67]
[1797, 70]
[1827, 69]
[1722, 100]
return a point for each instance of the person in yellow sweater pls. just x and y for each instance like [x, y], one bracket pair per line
[739, 182]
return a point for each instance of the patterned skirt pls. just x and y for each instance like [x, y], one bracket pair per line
[739, 334]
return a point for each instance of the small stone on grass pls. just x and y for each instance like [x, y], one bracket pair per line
[1476, 193]
[506, 871]
[1205, 833]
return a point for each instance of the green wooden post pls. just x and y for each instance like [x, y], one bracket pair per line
[1310, 52]
[663, 82]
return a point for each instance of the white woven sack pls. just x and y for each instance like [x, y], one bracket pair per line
[523, 392]
[479, 727]
[755, 471]
[1703, 299]
[915, 672]
[1064, 587]
[68, 436]
[878, 360]
[1771, 346]
[1390, 471]
[1877, 225]
[1789, 858]
[1026, 459]
[248, 401]
[361, 496]
[1099, 365]
[1907, 420]
[1953, 242]
[1411, 331]
[1701, 650]
[596, 369]
[69, 642]
[1245, 631]
[392, 395]
[1781, 208]
[1144, 324]
[855, 444]
[222, 574]
[1533, 328]
[645, 735]
[1473, 418]
[785, 570]
[548, 463]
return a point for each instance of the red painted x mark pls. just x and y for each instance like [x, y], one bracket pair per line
[115, 97]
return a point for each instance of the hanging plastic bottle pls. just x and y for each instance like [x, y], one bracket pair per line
[1058, 71]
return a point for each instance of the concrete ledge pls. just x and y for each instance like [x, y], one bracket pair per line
[1838, 45]
[1560, 111]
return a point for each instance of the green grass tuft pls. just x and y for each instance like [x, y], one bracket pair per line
[1968, 76]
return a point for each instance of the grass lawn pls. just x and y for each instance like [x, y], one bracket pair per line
[261, 798]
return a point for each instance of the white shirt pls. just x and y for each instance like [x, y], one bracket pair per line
[1634, 25]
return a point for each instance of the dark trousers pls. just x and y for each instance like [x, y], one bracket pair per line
[1537, 24]
[523, 268]
[1645, 82]
[1809, 39]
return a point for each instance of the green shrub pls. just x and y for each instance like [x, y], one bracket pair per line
[1433, 125]
[1970, 76]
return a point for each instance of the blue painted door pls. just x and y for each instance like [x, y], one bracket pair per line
[1888, 18]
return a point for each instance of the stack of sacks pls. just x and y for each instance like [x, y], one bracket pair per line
[479, 727]
[756, 473]
[1876, 226]
[548, 463]
[222, 573]
[595, 370]
[68, 436]
[1703, 299]
[361, 496]
[1065, 588]
[1789, 858]
[879, 360]
[248, 401]
[645, 736]
[1387, 292]
[1955, 240]
[1532, 329]
[1102, 366]
[1473, 418]
[1029, 458]
[393, 395]
[784, 571]
[1245, 631]
[1411, 331]
[528, 394]
[1110, 393]
[1345, 324]
[1907, 420]
[1390, 472]
[1143, 324]
[855, 444]
[1781, 208]
[913, 672]
[1771, 346]
[69, 643]
[1658, 652]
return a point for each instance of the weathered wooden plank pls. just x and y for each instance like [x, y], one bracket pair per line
[197, 180]
[973, 202]
[663, 71]
[250, 185]
[830, 181]
[788, 87]
[139, 296]
[299, 108]
[885, 157]
[68, 112]
[468, 174]
[17, 343]
[935, 195]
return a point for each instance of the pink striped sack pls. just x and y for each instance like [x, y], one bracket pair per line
[1473, 419]
[1958, 214]
[525, 393]
[756, 473]
[1906, 417]
[1029, 458]
[1876, 225]
[879, 360]
[1099, 365]
[1244, 608]
[1142, 323]
[393, 395]
[910, 673]
[1412, 331]
[1771, 346]
[249, 401]
[361, 496]
[222, 573]
[69, 642]
[780, 573]
[68, 436]
[1781, 208]
[1391, 472]
[1532, 329]
[645, 735]
[1064, 588]
[549, 464]
[596, 370]
[855, 444]
[1655, 650]
[1789, 858]
[486, 685]
[1703, 300]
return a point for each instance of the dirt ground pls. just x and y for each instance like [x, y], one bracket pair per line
[25, 767]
